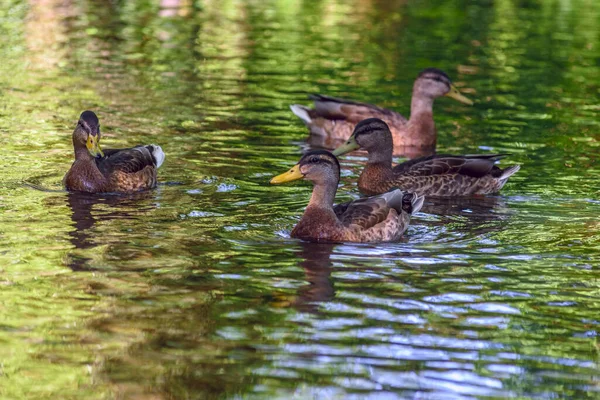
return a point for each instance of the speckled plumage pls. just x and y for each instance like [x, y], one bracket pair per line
[438, 175]
[117, 170]
[373, 219]
[333, 120]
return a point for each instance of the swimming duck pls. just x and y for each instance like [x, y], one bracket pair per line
[114, 170]
[380, 218]
[438, 175]
[335, 119]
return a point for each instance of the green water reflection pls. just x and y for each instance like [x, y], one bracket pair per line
[195, 290]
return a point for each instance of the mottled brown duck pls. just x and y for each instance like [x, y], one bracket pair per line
[380, 218]
[114, 170]
[333, 120]
[440, 175]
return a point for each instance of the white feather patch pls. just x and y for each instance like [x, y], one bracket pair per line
[158, 154]
[301, 113]
[389, 196]
[510, 171]
[417, 203]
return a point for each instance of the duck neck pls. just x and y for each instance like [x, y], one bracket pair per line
[82, 153]
[421, 127]
[322, 196]
[381, 155]
[420, 104]
[374, 177]
[319, 217]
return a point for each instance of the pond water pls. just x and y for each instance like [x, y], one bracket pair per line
[195, 290]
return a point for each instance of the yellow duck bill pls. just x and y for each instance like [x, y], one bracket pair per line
[93, 146]
[347, 147]
[291, 175]
[456, 95]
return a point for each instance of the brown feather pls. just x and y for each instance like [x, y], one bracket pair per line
[448, 176]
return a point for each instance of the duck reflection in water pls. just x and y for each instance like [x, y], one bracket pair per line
[315, 260]
[90, 209]
[471, 217]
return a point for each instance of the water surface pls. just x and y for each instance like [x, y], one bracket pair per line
[195, 290]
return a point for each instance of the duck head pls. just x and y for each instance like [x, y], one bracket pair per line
[87, 133]
[433, 83]
[319, 167]
[373, 135]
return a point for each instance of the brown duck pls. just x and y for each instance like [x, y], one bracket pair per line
[114, 170]
[438, 175]
[333, 120]
[380, 218]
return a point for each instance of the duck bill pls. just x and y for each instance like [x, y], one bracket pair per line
[456, 95]
[93, 146]
[347, 147]
[292, 175]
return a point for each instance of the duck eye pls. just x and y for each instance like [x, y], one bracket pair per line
[314, 160]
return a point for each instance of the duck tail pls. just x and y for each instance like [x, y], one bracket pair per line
[410, 202]
[417, 203]
[158, 154]
[508, 172]
[301, 112]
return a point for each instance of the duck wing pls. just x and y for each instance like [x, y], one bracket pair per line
[340, 209]
[476, 165]
[369, 211]
[129, 160]
[336, 108]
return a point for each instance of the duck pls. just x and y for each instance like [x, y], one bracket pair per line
[112, 170]
[382, 218]
[332, 121]
[439, 175]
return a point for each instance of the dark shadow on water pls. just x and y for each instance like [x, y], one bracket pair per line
[461, 219]
[479, 207]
